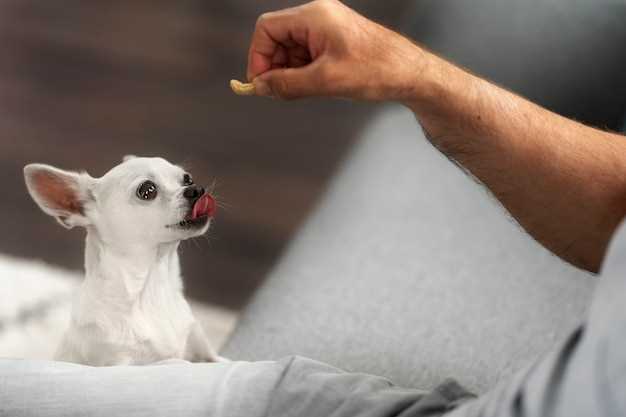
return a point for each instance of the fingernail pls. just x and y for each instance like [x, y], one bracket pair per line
[262, 88]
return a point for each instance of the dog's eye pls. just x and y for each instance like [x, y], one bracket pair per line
[147, 191]
[187, 180]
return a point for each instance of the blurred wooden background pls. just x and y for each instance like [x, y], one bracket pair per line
[84, 83]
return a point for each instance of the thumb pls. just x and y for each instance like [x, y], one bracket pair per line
[289, 83]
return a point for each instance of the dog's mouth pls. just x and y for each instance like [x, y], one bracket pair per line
[199, 214]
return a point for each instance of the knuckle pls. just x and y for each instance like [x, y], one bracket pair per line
[331, 20]
[263, 18]
[326, 6]
[325, 3]
[321, 5]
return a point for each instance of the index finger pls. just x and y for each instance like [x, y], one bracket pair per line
[271, 31]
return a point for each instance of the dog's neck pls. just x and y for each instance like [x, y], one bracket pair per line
[123, 275]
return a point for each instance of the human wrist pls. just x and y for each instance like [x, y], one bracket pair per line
[424, 82]
[399, 69]
[441, 91]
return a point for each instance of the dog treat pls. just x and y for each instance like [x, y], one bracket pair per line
[242, 89]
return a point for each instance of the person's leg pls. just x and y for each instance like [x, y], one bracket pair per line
[171, 388]
[310, 389]
[289, 387]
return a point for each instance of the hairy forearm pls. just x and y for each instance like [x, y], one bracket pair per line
[564, 182]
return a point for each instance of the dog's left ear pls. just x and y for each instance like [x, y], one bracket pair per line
[61, 194]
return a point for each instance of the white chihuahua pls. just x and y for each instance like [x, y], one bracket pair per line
[130, 309]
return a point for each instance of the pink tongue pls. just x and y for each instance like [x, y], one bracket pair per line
[204, 206]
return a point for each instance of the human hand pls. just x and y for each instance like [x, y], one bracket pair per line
[324, 48]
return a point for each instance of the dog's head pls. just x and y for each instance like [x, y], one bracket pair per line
[141, 201]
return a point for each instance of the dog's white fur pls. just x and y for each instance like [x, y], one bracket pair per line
[130, 308]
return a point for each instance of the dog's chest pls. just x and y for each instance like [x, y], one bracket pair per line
[159, 331]
[154, 327]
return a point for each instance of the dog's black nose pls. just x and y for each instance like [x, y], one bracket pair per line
[193, 192]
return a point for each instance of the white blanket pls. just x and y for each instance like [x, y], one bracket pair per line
[35, 303]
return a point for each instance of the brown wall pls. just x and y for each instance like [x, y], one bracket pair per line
[83, 83]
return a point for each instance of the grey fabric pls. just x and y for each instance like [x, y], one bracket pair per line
[566, 55]
[586, 376]
[175, 388]
[408, 269]
[290, 387]
[312, 389]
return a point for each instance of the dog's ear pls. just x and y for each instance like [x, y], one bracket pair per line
[61, 194]
[128, 158]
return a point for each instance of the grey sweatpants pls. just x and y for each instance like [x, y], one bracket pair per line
[293, 386]
[585, 377]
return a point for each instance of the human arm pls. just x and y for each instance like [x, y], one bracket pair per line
[562, 181]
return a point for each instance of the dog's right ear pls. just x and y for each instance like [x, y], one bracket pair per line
[61, 194]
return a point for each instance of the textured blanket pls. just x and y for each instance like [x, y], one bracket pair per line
[35, 303]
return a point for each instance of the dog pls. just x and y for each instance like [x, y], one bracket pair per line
[130, 309]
